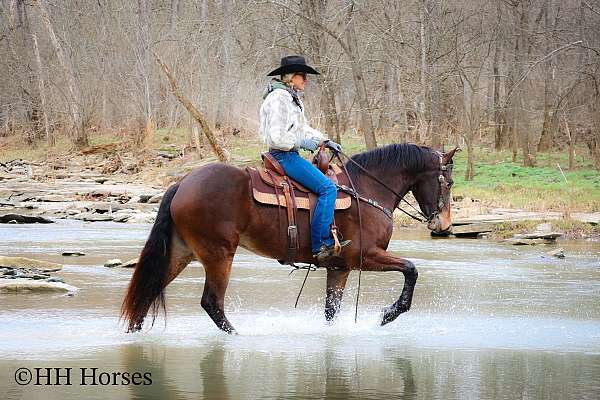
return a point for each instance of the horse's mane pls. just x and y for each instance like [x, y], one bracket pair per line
[405, 156]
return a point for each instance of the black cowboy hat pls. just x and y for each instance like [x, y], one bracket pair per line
[291, 64]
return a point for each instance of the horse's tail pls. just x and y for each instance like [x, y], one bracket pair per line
[146, 289]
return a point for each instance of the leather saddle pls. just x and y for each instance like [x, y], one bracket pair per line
[268, 184]
[271, 186]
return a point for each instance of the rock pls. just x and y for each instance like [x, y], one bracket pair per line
[21, 285]
[155, 199]
[121, 218]
[558, 253]
[102, 207]
[472, 229]
[93, 217]
[27, 263]
[100, 180]
[115, 262]
[142, 218]
[33, 276]
[23, 219]
[135, 199]
[130, 263]
[523, 242]
[55, 198]
[72, 253]
[145, 197]
[539, 235]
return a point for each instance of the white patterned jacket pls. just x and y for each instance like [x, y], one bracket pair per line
[283, 124]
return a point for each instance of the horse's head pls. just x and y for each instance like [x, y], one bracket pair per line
[432, 191]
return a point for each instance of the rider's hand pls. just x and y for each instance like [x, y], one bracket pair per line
[309, 144]
[333, 145]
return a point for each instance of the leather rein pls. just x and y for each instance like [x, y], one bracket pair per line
[387, 211]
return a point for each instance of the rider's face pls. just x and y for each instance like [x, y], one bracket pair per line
[299, 80]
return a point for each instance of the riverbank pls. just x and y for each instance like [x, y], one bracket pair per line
[112, 180]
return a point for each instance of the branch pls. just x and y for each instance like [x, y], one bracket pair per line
[547, 56]
[325, 29]
[590, 7]
[221, 155]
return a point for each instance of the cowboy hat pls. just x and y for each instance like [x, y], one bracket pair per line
[291, 64]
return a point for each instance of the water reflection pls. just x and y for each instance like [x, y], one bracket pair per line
[145, 360]
[488, 321]
[212, 370]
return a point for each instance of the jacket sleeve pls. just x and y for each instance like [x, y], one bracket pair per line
[275, 114]
[313, 133]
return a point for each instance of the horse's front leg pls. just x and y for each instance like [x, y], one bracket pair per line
[380, 260]
[336, 282]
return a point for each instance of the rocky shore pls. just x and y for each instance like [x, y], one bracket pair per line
[24, 275]
[85, 196]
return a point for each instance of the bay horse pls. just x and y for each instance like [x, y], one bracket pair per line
[211, 212]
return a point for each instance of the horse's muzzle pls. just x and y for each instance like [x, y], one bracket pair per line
[439, 225]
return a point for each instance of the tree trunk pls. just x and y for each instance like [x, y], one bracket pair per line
[424, 113]
[525, 135]
[468, 127]
[547, 136]
[402, 119]
[42, 88]
[144, 65]
[497, 109]
[359, 82]
[315, 9]
[75, 100]
[223, 112]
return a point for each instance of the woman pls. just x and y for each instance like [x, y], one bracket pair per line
[284, 129]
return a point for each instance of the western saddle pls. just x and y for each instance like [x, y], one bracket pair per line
[271, 186]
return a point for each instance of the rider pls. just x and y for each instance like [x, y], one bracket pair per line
[284, 129]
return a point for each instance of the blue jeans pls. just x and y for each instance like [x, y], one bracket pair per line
[310, 177]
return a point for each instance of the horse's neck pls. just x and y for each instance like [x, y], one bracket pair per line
[370, 188]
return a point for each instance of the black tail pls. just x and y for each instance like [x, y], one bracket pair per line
[146, 289]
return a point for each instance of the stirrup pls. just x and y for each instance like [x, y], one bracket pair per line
[326, 252]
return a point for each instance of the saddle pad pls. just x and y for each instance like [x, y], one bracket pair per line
[265, 194]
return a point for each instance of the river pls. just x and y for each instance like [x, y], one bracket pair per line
[489, 320]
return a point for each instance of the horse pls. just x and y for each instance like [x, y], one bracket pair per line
[211, 211]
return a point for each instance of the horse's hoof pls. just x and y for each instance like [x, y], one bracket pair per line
[388, 315]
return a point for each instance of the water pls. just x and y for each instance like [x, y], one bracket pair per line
[488, 321]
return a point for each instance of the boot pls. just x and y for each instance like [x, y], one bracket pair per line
[326, 252]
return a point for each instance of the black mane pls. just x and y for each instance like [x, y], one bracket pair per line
[405, 156]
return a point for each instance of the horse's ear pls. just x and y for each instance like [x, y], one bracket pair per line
[447, 157]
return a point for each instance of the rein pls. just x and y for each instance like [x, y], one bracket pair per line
[385, 185]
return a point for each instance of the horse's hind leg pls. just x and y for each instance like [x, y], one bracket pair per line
[336, 282]
[213, 297]
[216, 258]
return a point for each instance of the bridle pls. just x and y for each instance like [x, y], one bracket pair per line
[442, 181]
[425, 219]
